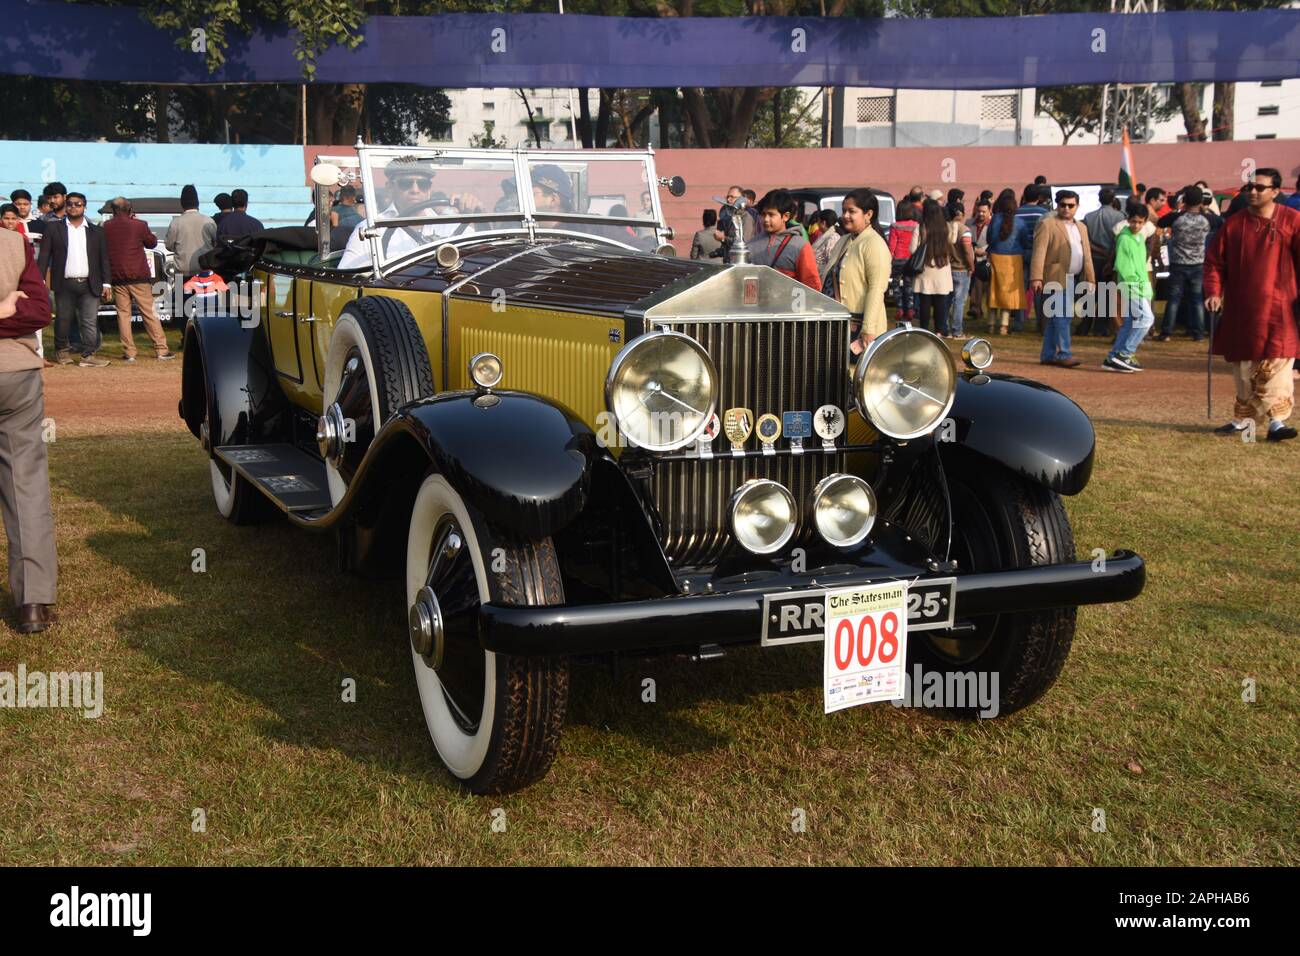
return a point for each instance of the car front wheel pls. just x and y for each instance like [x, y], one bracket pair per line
[495, 719]
[1001, 522]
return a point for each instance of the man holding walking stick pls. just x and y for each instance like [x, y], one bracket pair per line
[1251, 270]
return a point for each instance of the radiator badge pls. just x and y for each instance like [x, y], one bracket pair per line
[704, 444]
[769, 430]
[797, 426]
[828, 421]
[738, 423]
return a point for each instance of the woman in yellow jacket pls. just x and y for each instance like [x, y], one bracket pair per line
[861, 276]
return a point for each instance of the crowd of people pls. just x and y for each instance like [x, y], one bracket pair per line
[1012, 258]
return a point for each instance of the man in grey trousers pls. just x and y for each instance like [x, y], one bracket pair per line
[24, 473]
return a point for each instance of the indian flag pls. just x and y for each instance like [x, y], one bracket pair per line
[1127, 177]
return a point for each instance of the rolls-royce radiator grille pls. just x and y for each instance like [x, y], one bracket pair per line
[780, 365]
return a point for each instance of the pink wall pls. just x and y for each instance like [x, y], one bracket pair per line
[708, 173]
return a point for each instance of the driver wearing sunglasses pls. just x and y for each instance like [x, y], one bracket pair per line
[410, 184]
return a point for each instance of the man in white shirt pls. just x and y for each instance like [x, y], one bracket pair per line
[75, 256]
[410, 189]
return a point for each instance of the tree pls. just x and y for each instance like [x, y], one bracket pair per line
[487, 138]
[788, 123]
[1074, 108]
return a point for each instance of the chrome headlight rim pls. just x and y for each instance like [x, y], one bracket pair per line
[824, 486]
[749, 487]
[968, 349]
[643, 341]
[864, 364]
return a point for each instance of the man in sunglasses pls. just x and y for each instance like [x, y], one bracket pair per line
[1058, 266]
[411, 195]
[74, 252]
[1250, 274]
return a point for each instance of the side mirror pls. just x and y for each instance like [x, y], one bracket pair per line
[677, 186]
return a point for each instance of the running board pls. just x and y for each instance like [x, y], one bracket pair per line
[289, 476]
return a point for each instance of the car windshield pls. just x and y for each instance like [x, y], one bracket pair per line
[421, 197]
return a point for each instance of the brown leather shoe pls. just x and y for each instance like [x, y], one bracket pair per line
[35, 617]
[1069, 363]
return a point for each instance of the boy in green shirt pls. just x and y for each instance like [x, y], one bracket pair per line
[1135, 293]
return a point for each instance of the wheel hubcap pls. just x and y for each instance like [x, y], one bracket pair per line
[425, 623]
[329, 433]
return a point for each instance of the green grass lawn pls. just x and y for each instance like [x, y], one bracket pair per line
[223, 691]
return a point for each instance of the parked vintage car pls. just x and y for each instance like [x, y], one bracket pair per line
[813, 199]
[570, 447]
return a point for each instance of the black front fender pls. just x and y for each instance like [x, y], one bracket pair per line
[522, 461]
[1027, 426]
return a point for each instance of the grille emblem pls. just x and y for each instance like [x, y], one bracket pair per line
[738, 423]
[769, 430]
[828, 422]
[797, 426]
[615, 335]
[751, 290]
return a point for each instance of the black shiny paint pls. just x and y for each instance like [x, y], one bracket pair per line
[1027, 426]
[227, 371]
[355, 401]
[523, 461]
[735, 617]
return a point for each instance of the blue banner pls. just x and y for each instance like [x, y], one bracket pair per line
[547, 50]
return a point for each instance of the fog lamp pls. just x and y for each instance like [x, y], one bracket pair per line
[844, 509]
[763, 516]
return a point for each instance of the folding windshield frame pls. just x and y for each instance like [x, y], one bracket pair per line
[521, 161]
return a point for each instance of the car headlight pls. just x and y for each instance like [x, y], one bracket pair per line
[905, 383]
[662, 390]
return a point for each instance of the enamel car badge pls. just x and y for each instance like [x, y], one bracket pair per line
[769, 430]
[738, 423]
[828, 422]
[796, 426]
[704, 444]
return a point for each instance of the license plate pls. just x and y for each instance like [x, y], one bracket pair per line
[796, 617]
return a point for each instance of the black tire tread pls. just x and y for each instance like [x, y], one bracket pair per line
[402, 369]
[532, 692]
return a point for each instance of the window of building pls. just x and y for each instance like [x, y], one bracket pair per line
[999, 107]
[1268, 111]
[1266, 135]
[489, 106]
[1270, 83]
[442, 132]
[875, 109]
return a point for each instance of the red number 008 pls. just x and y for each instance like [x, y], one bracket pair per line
[863, 646]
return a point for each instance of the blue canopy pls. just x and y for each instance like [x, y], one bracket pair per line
[545, 50]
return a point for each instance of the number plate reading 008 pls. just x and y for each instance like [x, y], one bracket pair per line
[795, 617]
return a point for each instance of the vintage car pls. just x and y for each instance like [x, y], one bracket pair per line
[572, 446]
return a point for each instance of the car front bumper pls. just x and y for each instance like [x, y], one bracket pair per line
[736, 617]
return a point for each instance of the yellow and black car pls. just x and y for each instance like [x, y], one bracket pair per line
[574, 445]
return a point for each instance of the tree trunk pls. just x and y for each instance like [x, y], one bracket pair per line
[347, 113]
[1189, 95]
[322, 100]
[162, 99]
[584, 119]
[742, 118]
[1225, 98]
[776, 119]
[603, 116]
[697, 111]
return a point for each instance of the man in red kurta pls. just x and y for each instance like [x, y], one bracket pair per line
[1250, 273]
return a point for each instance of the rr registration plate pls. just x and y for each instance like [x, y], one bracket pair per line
[796, 617]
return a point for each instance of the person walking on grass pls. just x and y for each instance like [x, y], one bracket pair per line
[1060, 261]
[1250, 273]
[1135, 290]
